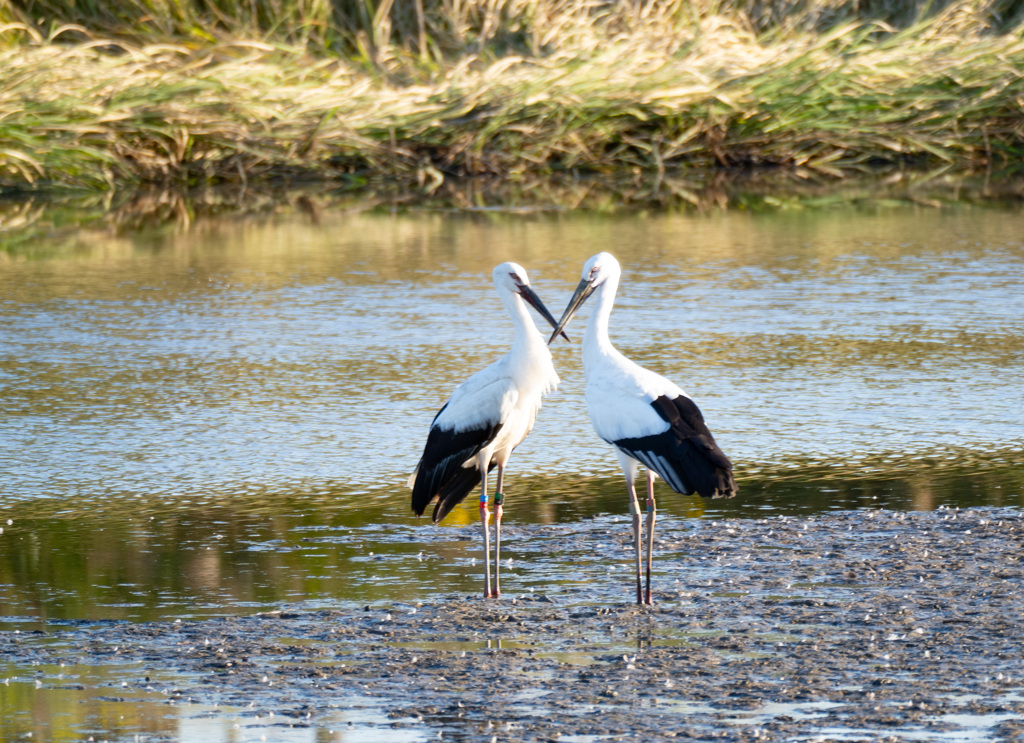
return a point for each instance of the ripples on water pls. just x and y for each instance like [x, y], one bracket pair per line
[282, 353]
[209, 400]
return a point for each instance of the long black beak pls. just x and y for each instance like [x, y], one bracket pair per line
[583, 290]
[527, 293]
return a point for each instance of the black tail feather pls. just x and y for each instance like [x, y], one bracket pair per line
[686, 455]
[440, 470]
[455, 491]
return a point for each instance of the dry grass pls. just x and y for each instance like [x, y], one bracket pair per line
[510, 88]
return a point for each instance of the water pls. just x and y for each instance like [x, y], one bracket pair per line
[221, 419]
[286, 355]
[244, 399]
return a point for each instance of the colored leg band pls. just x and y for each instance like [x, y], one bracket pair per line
[634, 508]
[483, 500]
[499, 498]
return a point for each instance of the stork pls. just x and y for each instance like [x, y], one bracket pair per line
[487, 417]
[647, 418]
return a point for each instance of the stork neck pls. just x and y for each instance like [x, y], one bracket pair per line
[595, 339]
[526, 333]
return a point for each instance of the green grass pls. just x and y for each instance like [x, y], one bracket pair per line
[117, 94]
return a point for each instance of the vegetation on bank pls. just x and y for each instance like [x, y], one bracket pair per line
[104, 95]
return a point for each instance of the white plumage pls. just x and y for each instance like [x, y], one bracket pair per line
[487, 417]
[647, 418]
[632, 388]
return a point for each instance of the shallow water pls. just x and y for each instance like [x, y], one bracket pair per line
[222, 419]
[853, 625]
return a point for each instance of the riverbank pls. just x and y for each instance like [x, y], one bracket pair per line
[642, 95]
[857, 625]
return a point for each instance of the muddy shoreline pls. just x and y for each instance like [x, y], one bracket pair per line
[858, 625]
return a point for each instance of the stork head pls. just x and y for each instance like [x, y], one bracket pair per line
[511, 278]
[596, 271]
[599, 269]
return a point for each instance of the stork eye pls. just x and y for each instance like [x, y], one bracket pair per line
[515, 277]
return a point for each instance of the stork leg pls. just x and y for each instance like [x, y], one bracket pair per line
[499, 500]
[651, 515]
[485, 519]
[634, 508]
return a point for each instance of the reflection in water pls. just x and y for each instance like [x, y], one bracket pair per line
[72, 702]
[161, 561]
[223, 419]
[112, 702]
[220, 421]
[248, 355]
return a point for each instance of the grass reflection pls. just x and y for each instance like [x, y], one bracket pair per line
[69, 703]
[146, 560]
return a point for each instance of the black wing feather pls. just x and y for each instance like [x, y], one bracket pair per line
[441, 473]
[686, 455]
[456, 489]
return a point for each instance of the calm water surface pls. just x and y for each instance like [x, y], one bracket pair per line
[222, 418]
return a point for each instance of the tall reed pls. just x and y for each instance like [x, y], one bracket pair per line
[451, 27]
[106, 94]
